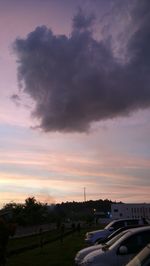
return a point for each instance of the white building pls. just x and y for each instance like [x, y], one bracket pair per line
[130, 210]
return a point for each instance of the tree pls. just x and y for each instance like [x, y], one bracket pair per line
[30, 213]
[35, 211]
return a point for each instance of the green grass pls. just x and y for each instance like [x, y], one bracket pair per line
[31, 240]
[53, 254]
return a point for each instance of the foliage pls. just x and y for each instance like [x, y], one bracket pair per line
[29, 213]
[33, 212]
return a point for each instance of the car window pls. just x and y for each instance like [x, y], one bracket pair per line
[131, 222]
[116, 232]
[142, 258]
[146, 262]
[118, 224]
[115, 224]
[109, 225]
[137, 241]
[115, 238]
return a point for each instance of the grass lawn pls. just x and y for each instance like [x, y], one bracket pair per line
[31, 240]
[55, 253]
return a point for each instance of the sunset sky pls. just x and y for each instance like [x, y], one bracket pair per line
[75, 100]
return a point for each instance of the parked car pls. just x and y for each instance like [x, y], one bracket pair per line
[85, 251]
[142, 259]
[121, 251]
[92, 237]
[108, 240]
[116, 232]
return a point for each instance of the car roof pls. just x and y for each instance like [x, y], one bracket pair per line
[119, 230]
[122, 220]
[126, 219]
[139, 229]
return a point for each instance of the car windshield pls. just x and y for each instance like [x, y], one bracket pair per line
[112, 241]
[118, 231]
[109, 225]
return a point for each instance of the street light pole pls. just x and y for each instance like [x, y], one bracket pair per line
[84, 194]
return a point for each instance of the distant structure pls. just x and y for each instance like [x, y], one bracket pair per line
[130, 210]
[84, 194]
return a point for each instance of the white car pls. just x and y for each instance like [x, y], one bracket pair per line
[142, 259]
[121, 251]
[92, 237]
[85, 251]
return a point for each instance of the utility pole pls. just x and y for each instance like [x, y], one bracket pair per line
[84, 194]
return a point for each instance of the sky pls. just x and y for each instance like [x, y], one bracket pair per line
[75, 100]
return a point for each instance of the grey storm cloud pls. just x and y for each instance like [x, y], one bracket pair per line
[77, 80]
[16, 99]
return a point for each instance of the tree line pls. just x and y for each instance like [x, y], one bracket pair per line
[33, 212]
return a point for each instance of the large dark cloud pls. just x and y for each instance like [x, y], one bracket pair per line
[77, 80]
